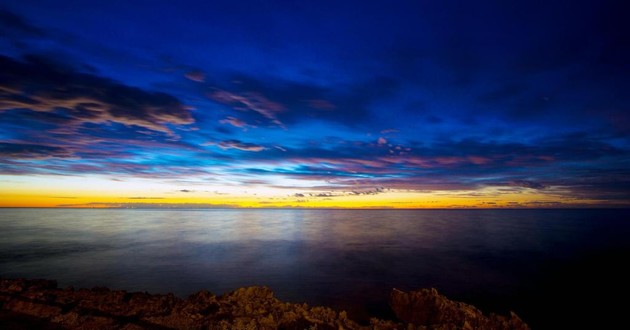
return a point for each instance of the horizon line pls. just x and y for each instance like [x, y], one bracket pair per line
[565, 207]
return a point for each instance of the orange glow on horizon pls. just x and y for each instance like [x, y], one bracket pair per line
[76, 193]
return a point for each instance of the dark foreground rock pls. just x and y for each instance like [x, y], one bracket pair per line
[40, 304]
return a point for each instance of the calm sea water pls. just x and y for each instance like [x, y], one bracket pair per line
[552, 267]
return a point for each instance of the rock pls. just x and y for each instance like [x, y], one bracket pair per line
[426, 307]
[244, 308]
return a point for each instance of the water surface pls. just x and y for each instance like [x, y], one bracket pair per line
[546, 265]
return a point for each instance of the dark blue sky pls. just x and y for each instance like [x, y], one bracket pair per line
[299, 101]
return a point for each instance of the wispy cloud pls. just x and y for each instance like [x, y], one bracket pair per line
[321, 104]
[12, 23]
[527, 184]
[38, 85]
[236, 144]
[32, 151]
[236, 122]
[196, 75]
[250, 101]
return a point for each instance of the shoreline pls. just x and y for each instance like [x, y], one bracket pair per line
[40, 303]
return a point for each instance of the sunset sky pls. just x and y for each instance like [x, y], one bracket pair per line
[369, 104]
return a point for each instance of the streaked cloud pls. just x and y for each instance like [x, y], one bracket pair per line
[12, 23]
[321, 104]
[32, 151]
[236, 144]
[250, 101]
[235, 122]
[196, 75]
[39, 85]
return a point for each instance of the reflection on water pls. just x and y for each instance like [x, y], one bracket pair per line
[497, 259]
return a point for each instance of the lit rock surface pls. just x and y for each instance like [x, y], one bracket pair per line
[40, 304]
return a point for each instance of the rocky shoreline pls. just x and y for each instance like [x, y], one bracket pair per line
[41, 304]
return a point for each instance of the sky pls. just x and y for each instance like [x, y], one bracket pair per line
[332, 104]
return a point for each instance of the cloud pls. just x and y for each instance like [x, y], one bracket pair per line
[285, 102]
[447, 166]
[196, 75]
[236, 144]
[32, 151]
[87, 154]
[250, 101]
[381, 141]
[339, 192]
[527, 184]
[321, 104]
[235, 122]
[12, 23]
[38, 85]
[372, 191]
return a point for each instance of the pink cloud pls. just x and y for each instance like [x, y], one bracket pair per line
[251, 101]
[236, 144]
[235, 122]
[89, 98]
[321, 104]
[478, 160]
[196, 75]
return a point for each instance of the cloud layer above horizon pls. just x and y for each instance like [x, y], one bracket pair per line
[337, 104]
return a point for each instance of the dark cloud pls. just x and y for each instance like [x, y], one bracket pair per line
[236, 144]
[373, 191]
[503, 93]
[527, 184]
[448, 165]
[611, 184]
[32, 151]
[251, 101]
[279, 102]
[12, 25]
[336, 191]
[235, 122]
[196, 75]
[39, 85]
[105, 157]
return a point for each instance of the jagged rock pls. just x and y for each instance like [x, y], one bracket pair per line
[245, 308]
[426, 307]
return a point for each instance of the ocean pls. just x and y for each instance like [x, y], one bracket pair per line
[554, 268]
